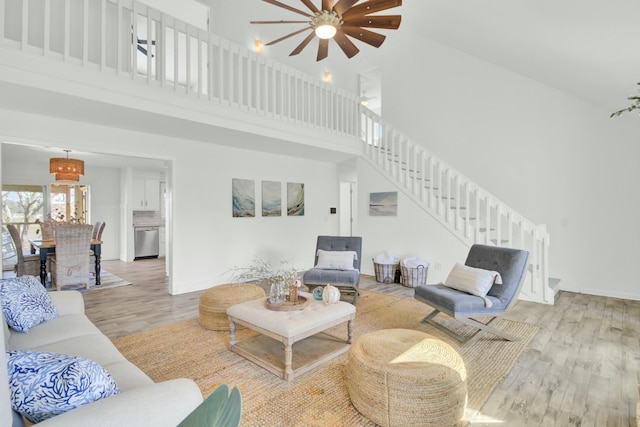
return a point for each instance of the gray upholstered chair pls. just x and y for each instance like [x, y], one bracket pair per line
[70, 265]
[345, 280]
[464, 307]
[27, 264]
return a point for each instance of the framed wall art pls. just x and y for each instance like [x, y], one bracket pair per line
[295, 199]
[271, 198]
[383, 204]
[243, 197]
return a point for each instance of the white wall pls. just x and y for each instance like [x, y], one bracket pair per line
[206, 240]
[557, 159]
[104, 195]
[412, 232]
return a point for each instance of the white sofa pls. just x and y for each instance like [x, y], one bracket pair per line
[140, 402]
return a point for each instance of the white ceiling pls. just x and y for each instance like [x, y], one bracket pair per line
[588, 48]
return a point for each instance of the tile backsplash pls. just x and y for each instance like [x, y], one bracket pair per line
[147, 218]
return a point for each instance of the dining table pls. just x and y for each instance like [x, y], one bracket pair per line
[48, 246]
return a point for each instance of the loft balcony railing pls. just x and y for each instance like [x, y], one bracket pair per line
[134, 41]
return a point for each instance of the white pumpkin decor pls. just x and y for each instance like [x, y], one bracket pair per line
[330, 295]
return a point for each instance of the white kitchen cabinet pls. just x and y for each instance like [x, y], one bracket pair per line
[146, 194]
[162, 252]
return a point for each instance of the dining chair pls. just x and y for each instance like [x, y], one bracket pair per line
[98, 228]
[27, 264]
[70, 265]
[48, 228]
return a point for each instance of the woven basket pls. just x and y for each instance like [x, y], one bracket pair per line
[385, 273]
[412, 277]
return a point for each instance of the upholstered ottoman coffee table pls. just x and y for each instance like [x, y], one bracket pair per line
[299, 330]
[402, 377]
[212, 310]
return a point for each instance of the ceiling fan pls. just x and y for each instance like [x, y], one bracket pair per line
[339, 21]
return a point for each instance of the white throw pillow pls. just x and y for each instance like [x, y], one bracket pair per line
[336, 260]
[475, 281]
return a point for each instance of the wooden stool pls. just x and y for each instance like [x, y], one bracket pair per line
[215, 301]
[401, 377]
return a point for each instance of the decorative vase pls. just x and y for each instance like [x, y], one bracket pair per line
[317, 293]
[330, 295]
[293, 293]
[276, 294]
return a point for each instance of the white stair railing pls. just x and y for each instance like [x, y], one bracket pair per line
[99, 35]
[469, 212]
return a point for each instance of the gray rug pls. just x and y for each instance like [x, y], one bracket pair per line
[107, 281]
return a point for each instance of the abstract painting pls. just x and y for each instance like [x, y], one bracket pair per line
[383, 204]
[295, 199]
[271, 198]
[243, 194]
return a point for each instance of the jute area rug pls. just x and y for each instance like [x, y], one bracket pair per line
[320, 397]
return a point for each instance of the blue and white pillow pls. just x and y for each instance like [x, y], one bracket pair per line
[25, 303]
[44, 385]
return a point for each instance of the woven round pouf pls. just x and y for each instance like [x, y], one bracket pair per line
[401, 377]
[215, 301]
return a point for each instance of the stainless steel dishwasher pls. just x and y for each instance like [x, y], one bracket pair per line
[147, 242]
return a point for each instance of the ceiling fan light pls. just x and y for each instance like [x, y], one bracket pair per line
[326, 24]
[326, 31]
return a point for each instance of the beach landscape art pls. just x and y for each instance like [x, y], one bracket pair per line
[383, 204]
[295, 199]
[243, 197]
[271, 198]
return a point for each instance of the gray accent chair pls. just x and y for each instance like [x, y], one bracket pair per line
[345, 280]
[464, 307]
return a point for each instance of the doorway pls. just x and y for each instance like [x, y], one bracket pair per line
[346, 210]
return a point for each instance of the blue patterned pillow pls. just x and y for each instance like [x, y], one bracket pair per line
[25, 303]
[44, 385]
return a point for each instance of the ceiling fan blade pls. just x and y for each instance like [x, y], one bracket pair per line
[323, 49]
[311, 6]
[304, 44]
[286, 37]
[286, 6]
[278, 22]
[343, 5]
[369, 37]
[345, 44]
[371, 6]
[389, 22]
[327, 5]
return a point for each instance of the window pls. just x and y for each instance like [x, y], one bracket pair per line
[68, 202]
[22, 205]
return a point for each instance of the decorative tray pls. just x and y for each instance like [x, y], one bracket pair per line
[288, 305]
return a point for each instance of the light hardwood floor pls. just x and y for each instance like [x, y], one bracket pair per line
[581, 369]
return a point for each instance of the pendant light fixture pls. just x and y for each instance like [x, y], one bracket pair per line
[66, 169]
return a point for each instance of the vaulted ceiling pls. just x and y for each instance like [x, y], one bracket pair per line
[588, 48]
